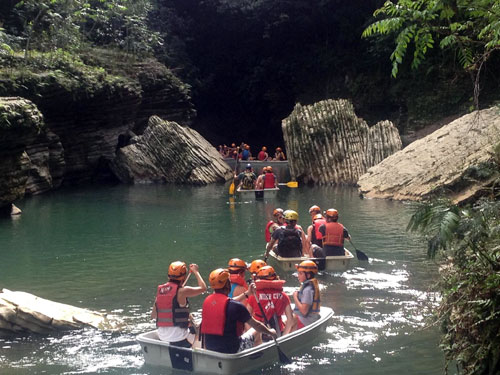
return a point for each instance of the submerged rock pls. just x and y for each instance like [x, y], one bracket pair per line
[454, 160]
[168, 152]
[328, 144]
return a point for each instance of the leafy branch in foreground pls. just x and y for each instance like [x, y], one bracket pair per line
[471, 28]
[470, 280]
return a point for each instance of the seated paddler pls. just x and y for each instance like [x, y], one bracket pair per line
[273, 301]
[223, 319]
[171, 307]
[290, 239]
[307, 300]
[237, 268]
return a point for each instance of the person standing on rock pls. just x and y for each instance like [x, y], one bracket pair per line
[334, 234]
[171, 307]
[263, 155]
[279, 155]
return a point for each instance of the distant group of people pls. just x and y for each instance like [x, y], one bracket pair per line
[239, 313]
[248, 180]
[324, 237]
[243, 152]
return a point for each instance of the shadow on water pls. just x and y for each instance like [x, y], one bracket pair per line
[107, 249]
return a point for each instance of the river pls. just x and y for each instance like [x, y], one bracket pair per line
[107, 248]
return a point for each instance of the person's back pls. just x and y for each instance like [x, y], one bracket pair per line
[262, 155]
[334, 234]
[289, 241]
[269, 179]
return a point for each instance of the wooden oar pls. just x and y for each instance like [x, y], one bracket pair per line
[282, 356]
[291, 184]
[359, 253]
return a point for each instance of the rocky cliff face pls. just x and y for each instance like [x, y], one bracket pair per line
[31, 158]
[453, 160]
[328, 144]
[168, 152]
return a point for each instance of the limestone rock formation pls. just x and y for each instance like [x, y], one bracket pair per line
[22, 312]
[444, 161]
[328, 144]
[168, 152]
[29, 155]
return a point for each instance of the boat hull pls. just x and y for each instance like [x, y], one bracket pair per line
[258, 194]
[332, 263]
[159, 353]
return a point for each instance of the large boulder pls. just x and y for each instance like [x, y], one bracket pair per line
[328, 144]
[454, 160]
[168, 152]
[31, 158]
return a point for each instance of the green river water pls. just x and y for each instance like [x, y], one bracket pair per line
[107, 248]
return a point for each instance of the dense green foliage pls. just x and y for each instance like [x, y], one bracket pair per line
[471, 28]
[468, 238]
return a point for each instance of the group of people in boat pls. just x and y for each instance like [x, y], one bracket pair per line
[324, 237]
[243, 152]
[239, 313]
[248, 179]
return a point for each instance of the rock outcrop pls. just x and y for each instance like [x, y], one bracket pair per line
[168, 152]
[29, 155]
[22, 313]
[328, 144]
[447, 161]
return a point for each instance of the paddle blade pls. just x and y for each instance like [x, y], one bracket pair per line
[283, 358]
[292, 184]
[231, 188]
[361, 255]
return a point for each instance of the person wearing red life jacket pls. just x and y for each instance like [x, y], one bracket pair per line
[272, 225]
[269, 181]
[333, 233]
[259, 184]
[314, 237]
[237, 268]
[263, 155]
[223, 318]
[171, 307]
[274, 302]
[307, 300]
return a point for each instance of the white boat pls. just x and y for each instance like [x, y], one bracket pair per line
[160, 353]
[258, 194]
[331, 263]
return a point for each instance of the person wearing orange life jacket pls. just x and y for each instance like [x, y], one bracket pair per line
[255, 266]
[237, 268]
[171, 307]
[307, 300]
[269, 180]
[333, 233]
[274, 302]
[272, 225]
[223, 318]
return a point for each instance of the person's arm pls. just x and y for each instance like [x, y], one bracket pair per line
[261, 328]
[309, 235]
[269, 247]
[190, 291]
[346, 234]
[154, 313]
[245, 295]
[306, 250]
[302, 307]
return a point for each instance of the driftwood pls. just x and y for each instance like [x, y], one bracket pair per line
[22, 312]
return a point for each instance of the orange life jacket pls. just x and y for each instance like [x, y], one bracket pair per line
[273, 301]
[213, 315]
[169, 313]
[316, 299]
[334, 234]
[317, 237]
[269, 179]
[236, 279]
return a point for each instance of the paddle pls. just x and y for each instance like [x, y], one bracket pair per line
[282, 356]
[291, 184]
[359, 253]
[231, 187]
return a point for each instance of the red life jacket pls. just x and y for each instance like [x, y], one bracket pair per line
[317, 237]
[169, 313]
[267, 232]
[213, 315]
[262, 155]
[237, 278]
[269, 179]
[272, 299]
[334, 234]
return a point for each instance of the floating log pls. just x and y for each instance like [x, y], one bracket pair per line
[25, 312]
